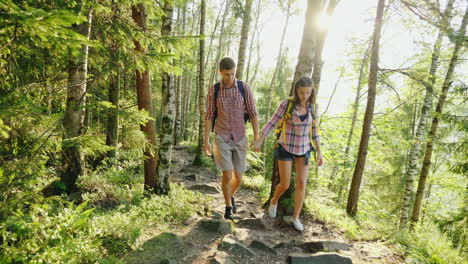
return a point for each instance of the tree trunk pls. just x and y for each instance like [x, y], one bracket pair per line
[210, 46]
[244, 39]
[187, 95]
[309, 41]
[214, 69]
[163, 168]
[279, 58]
[201, 83]
[73, 160]
[343, 182]
[113, 113]
[272, 83]
[258, 46]
[353, 197]
[183, 94]
[181, 117]
[321, 37]
[254, 31]
[438, 113]
[144, 103]
[178, 112]
[179, 30]
[420, 130]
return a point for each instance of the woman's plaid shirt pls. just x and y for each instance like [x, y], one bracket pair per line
[297, 131]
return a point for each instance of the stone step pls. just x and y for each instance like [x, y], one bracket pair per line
[325, 246]
[236, 248]
[204, 188]
[299, 258]
[263, 248]
[221, 226]
[252, 223]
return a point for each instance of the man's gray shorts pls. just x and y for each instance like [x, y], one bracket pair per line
[230, 155]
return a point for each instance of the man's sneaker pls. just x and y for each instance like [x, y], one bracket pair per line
[272, 210]
[228, 213]
[233, 204]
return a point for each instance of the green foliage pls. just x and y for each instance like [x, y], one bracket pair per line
[323, 208]
[4, 129]
[24, 22]
[54, 231]
[57, 231]
[88, 144]
[255, 162]
[428, 245]
[128, 221]
[455, 227]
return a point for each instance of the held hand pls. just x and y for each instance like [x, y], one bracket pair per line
[319, 159]
[256, 145]
[207, 149]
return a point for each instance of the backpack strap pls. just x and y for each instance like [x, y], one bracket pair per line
[215, 114]
[282, 123]
[216, 91]
[314, 122]
[240, 86]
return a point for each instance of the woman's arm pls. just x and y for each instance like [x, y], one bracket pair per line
[270, 126]
[316, 137]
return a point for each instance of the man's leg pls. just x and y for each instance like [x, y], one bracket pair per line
[239, 154]
[223, 160]
[227, 187]
[236, 182]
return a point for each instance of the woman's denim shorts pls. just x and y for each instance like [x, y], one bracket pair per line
[284, 155]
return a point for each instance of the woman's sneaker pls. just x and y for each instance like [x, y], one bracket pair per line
[272, 210]
[298, 225]
[295, 222]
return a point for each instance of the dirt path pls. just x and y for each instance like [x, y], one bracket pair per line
[254, 237]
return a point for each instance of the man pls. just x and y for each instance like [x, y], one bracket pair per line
[226, 105]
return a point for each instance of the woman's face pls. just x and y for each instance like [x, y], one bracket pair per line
[304, 92]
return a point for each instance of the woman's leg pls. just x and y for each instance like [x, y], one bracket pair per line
[302, 172]
[284, 167]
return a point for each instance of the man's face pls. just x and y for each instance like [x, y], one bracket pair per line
[228, 76]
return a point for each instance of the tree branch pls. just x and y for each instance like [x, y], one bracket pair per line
[408, 74]
[334, 90]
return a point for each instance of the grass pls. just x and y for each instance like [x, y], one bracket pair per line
[428, 245]
[111, 222]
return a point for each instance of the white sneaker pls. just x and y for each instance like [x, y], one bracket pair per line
[298, 225]
[272, 210]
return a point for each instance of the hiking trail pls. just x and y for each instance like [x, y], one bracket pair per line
[254, 238]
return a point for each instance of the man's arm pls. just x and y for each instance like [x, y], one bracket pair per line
[251, 109]
[210, 107]
[255, 125]
[207, 145]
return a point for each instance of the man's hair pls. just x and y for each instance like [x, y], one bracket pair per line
[227, 63]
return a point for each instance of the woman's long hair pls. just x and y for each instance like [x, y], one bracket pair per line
[304, 82]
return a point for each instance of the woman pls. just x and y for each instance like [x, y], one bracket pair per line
[298, 129]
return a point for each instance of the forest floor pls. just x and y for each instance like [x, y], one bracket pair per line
[254, 237]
